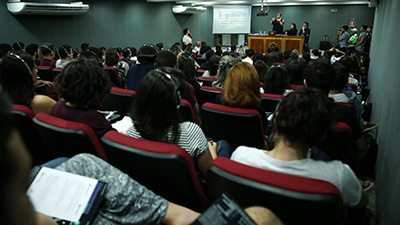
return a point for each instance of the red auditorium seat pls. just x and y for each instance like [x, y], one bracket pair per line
[67, 138]
[208, 94]
[44, 73]
[23, 117]
[186, 111]
[120, 100]
[207, 81]
[236, 125]
[166, 169]
[270, 101]
[295, 200]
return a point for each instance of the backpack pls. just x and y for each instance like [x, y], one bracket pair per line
[353, 39]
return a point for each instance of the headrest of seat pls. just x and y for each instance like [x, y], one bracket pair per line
[266, 95]
[211, 88]
[276, 179]
[342, 126]
[24, 109]
[122, 91]
[151, 146]
[224, 108]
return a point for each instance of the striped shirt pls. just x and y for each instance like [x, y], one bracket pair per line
[191, 138]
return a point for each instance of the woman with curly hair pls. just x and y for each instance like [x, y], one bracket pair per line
[304, 117]
[83, 85]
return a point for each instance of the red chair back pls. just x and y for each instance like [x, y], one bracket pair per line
[207, 81]
[44, 73]
[186, 111]
[238, 126]
[270, 101]
[166, 169]
[113, 74]
[67, 138]
[208, 94]
[294, 199]
[120, 100]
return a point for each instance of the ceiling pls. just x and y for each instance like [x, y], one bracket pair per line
[270, 2]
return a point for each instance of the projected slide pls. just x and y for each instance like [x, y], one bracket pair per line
[231, 19]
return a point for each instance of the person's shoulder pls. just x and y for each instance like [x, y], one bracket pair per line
[43, 103]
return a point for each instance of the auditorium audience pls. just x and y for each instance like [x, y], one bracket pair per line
[18, 76]
[33, 49]
[48, 52]
[225, 64]
[276, 80]
[208, 54]
[112, 60]
[146, 57]
[150, 123]
[126, 201]
[303, 117]
[261, 68]
[242, 89]
[83, 85]
[320, 74]
[93, 52]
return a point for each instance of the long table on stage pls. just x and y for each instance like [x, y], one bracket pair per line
[260, 43]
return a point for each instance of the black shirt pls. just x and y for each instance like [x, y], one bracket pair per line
[277, 27]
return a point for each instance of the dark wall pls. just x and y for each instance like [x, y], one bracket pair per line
[133, 23]
[322, 21]
[108, 23]
[384, 81]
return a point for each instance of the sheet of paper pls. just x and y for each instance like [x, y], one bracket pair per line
[61, 195]
[123, 125]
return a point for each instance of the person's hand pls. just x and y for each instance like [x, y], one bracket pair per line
[273, 18]
[48, 83]
[212, 146]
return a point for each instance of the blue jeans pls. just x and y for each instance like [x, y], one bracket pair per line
[224, 149]
[55, 162]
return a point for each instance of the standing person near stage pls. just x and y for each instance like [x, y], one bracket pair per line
[278, 23]
[344, 37]
[305, 31]
[187, 38]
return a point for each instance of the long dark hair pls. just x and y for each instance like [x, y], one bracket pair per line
[186, 65]
[276, 80]
[155, 109]
[16, 78]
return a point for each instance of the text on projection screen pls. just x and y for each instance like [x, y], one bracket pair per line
[231, 19]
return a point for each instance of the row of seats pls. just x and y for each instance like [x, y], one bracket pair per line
[168, 170]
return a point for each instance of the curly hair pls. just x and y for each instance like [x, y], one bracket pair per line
[242, 87]
[225, 64]
[83, 83]
[303, 117]
[155, 112]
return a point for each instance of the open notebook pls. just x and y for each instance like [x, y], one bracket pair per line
[68, 198]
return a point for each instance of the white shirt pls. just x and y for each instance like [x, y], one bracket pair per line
[61, 64]
[186, 39]
[249, 60]
[334, 172]
[341, 97]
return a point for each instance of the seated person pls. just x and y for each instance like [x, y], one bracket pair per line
[127, 54]
[126, 201]
[155, 117]
[66, 55]
[261, 68]
[225, 64]
[276, 81]
[18, 76]
[166, 58]
[212, 66]
[146, 57]
[112, 60]
[320, 74]
[207, 55]
[186, 64]
[339, 93]
[93, 52]
[48, 53]
[242, 90]
[83, 85]
[249, 56]
[295, 69]
[302, 118]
